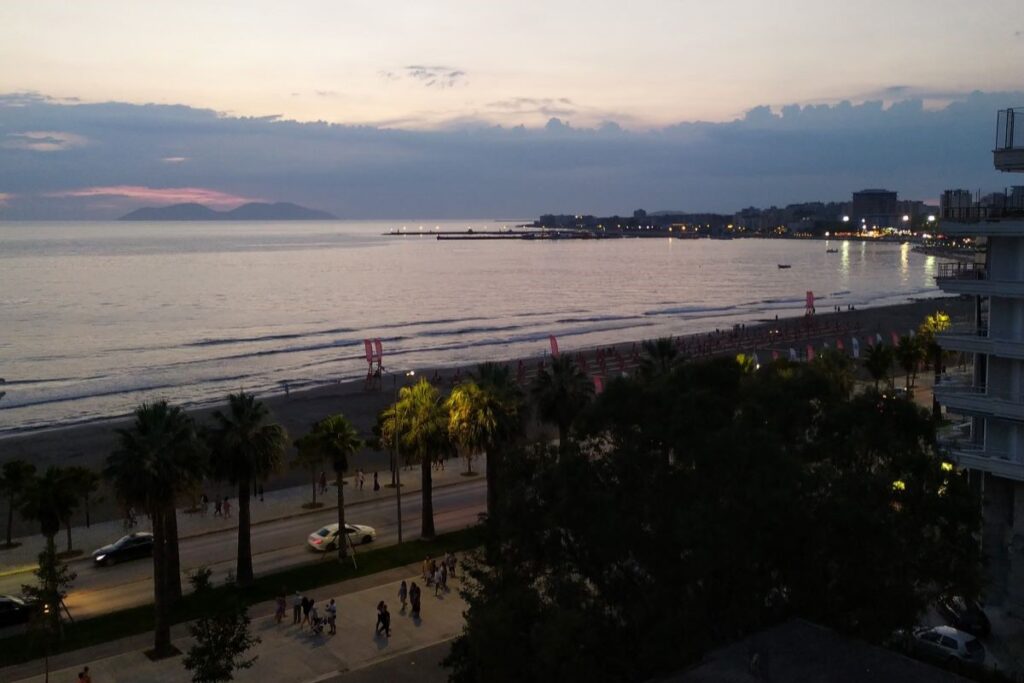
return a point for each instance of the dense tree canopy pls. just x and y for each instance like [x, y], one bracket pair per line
[704, 503]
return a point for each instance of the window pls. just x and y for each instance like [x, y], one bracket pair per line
[948, 642]
[930, 637]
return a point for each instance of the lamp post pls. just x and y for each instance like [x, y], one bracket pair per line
[398, 464]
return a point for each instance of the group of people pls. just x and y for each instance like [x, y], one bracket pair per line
[410, 595]
[436, 573]
[221, 507]
[305, 612]
[358, 481]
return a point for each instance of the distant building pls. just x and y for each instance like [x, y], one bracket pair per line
[875, 209]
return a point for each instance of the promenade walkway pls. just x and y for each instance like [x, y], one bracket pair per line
[287, 652]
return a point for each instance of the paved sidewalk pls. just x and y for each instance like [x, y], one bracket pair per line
[279, 504]
[287, 652]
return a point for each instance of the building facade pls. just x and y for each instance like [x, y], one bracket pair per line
[990, 443]
[875, 209]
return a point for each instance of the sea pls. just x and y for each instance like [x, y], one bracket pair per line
[96, 317]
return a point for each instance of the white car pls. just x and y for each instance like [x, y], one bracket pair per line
[949, 646]
[326, 538]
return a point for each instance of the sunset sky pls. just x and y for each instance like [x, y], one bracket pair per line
[433, 69]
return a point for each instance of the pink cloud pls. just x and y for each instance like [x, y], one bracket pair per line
[44, 141]
[5, 197]
[169, 195]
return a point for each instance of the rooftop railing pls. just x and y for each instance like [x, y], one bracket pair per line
[995, 206]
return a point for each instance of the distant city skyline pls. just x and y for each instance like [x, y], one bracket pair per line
[459, 109]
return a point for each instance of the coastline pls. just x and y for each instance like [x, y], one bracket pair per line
[88, 444]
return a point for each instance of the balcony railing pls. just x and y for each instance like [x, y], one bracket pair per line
[962, 271]
[960, 387]
[1010, 129]
[995, 206]
[967, 330]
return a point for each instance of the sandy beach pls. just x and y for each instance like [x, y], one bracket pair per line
[88, 445]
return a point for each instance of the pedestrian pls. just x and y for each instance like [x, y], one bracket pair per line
[414, 600]
[443, 571]
[450, 561]
[297, 601]
[227, 506]
[84, 675]
[387, 621]
[261, 493]
[282, 606]
[323, 482]
[332, 616]
[376, 482]
[403, 594]
[362, 479]
[426, 570]
[436, 576]
[217, 509]
[380, 619]
[307, 607]
[205, 503]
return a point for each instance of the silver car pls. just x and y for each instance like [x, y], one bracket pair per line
[326, 538]
[949, 646]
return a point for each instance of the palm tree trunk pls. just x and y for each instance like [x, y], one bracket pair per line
[493, 458]
[67, 526]
[161, 618]
[427, 530]
[10, 518]
[243, 571]
[342, 533]
[172, 579]
[314, 488]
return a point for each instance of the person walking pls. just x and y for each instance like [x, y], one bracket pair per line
[443, 572]
[218, 510]
[204, 502]
[426, 570]
[387, 621]
[297, 601]
[437, 582]
[451, 564]
[332, 616]
[376, 482]
[227, 506]
[307, 607]
[380, 619]
[414, 600]
[323, 482]
[403, 594]
[282, 606]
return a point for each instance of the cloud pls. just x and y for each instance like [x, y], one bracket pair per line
[172, 195]
[768, 155]
[440, 77]
[174, 160]
[43, 141]
[5, 197]
[544, 106]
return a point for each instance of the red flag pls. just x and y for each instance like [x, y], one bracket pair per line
[369, 350]
[554, 345]
[598, 384]
[839, 345]
[380, 352]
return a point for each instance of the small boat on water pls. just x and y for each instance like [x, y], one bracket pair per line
[784, 265]
[831, 251]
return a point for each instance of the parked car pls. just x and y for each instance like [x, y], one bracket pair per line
[326, 538]
[14, 610]
[130, 547]
[949, 646]
[966, 615]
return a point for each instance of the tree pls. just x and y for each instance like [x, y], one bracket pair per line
[85, 483]
[932, 326]
[50, 499]
[337, 440]
[560, 393]
[507, 399]
[156, 459]
[15, 477]
[658, 357]
[245, 446]
[908, 353]
[837, 367]
[221, 643]
[309, 457]
[418, 425]
[53, 578]
[472, 420]
[878, 362]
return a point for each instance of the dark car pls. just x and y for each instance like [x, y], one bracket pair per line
[965, 615]
[130, 547]
[13, 610]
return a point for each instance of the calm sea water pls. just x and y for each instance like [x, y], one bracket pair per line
[96, 317]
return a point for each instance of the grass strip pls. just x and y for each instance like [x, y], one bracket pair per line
[25, 647]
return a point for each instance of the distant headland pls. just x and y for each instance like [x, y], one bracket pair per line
[254, 211]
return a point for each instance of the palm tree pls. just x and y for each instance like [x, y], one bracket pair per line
[660, 357]
[908, 353]
[49, 499]
[16, 476]
[245, 447]
[338, 440]
[472, 420]
[309, 457]
[156, 459]
[837, 368]
[421, 423]
[561, 392]
[878, 362]
[509, 407]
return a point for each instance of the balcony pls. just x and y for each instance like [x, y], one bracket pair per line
[978, 457]
[967, 399]
[973, 279]
[996, 214]
[1008, 154]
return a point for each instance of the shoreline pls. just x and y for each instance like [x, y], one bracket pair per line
[88, 444]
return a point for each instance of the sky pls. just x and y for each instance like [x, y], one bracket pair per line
[456, 108]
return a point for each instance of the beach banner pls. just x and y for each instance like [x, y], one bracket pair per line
[810, 352]
[554, 345]
[855, 346]
[598, 384]
[895, 338]
[775, 355]
[380, 351]
[911, 333]
[757, 361]
[792, 354]
[810, 301]
[824, 346]
[369, 351]
[878, 337]
[839, 345]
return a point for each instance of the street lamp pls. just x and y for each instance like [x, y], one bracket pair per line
[398, 464]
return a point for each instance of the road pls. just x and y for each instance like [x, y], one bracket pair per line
[276, 545]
